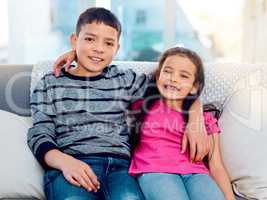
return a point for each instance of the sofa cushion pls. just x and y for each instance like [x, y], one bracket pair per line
[244, 135]
[21, 175]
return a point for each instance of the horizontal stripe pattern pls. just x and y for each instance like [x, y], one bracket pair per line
[84, 116]
[77, 100]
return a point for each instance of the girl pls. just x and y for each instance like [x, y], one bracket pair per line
[163, 172]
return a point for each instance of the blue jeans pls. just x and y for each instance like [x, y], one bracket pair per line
[160, 186]
[112, 173]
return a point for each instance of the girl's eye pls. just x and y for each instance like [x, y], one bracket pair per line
[184, 76]
[167, 71]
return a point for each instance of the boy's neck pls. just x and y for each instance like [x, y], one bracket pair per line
[80, 71]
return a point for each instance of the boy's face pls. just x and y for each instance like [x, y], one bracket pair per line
[96, 45]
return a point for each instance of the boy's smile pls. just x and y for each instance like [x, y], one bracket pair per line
[95, 45]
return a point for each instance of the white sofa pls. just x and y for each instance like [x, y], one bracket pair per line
[240, 90]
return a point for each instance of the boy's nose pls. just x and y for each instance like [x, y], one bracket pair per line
[99, 48]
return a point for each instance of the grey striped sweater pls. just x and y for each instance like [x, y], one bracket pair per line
[84, 116]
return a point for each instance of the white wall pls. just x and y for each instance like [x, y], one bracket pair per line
[3, 24]
[169, 33]
[29, 31]
[255, 31]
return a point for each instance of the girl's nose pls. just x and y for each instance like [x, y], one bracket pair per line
[174, 79]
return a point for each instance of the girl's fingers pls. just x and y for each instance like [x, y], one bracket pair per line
[58, 65]
[68, 65]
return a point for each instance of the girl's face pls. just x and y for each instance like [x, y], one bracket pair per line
[176, 78]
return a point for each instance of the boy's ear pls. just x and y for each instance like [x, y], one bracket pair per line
[118, 48]
[73, 40]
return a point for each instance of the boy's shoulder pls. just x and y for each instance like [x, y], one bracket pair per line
[119, 69]
[116, 71]
[50, 79]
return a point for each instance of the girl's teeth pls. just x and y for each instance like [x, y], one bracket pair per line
[171, 88]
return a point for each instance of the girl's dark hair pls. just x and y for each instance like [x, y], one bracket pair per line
[98, 15]
[152, 94]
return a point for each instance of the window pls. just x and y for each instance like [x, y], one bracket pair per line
[216, 30]
[140, 17]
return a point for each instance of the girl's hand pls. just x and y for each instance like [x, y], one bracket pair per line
[65, 60]
[80, 174]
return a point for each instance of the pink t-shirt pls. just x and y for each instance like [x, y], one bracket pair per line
[160, 144]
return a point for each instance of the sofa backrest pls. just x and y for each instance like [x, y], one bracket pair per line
[15, 88]
[16, 81]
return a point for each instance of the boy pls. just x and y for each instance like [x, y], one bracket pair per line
[80, 135]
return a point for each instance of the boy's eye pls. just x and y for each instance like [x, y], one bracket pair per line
[109, 44]
[89, 39]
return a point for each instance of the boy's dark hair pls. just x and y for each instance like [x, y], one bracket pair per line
[98, 15]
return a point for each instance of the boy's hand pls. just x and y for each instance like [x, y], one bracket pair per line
[80, 174]
[198, 142]
[195, 134]
[64, 60]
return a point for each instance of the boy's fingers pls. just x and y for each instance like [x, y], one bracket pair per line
[199, 154]
[184, 143]
[209, 144]
[202, 149]
[92, 177]
[90, 185]
[82, 182]
[192, 150]
[73, 181]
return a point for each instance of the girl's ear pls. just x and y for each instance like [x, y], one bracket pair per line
[194, 89]
[73, 41]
